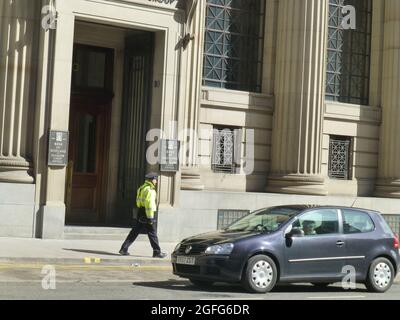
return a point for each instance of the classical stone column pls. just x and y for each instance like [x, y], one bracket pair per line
[19, 29]
[299, 98]
[388, 183]
[193, 44]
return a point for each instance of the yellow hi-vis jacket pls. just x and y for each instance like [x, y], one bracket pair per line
[146, 198]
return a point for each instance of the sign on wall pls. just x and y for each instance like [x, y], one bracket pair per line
[58, 148]
[169, 161]
[164, 1]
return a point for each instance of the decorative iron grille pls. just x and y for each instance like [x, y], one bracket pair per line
[349, 51]
[227, 217]
[339, 158]
[234, 44]
[226, 152]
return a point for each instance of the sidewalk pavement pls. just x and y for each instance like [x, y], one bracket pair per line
[38, 251]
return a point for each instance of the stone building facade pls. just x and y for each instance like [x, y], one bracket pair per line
[273, 102]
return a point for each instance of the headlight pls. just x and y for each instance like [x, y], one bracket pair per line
[225, 248]
[177, 246]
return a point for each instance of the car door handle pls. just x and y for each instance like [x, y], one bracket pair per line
[339, 243]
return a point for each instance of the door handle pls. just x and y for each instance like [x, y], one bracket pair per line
[339, 243]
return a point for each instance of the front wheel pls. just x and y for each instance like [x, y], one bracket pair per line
[260, 275]
[380, 275]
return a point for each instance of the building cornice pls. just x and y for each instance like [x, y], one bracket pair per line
[231, 99]
[352, 112]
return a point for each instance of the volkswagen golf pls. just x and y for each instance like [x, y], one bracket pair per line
[294, 244]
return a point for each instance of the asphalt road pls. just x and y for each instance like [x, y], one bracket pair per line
[149, 283]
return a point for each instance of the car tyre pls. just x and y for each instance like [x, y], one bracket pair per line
[260, 275]
[201, 283]
[380, 275]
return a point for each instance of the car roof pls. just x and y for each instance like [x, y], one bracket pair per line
[303, 207]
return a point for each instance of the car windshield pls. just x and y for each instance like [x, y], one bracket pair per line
[264, 220]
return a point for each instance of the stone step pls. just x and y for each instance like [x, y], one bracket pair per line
[98, 233]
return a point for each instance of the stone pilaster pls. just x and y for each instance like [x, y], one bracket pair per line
[299, 98]
[52, 206]
[193, 45]
[19, 30]
[388, 184]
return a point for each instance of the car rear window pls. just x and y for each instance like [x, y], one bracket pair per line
[386, 228]
[355, 221]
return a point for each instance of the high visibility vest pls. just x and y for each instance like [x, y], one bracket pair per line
[146, 198]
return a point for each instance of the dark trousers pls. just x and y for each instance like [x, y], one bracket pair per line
[139, 227]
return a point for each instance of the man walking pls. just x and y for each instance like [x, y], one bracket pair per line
[146, 202]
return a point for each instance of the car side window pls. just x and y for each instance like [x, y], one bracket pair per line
[318, 222]
[356, 222]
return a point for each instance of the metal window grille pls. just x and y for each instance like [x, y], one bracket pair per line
[349, 53]
[233, 48]
[227, 217]
[339, 158]
[226, 150]
[393, 221]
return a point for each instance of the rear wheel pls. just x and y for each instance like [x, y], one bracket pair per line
[380, 275]
[260, 275]
[201, 283]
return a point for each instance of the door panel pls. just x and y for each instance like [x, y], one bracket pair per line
[90, 113]
[359, 238]
[320, 251]
[87, 145]
[315, 257]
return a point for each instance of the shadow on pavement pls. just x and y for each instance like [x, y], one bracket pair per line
[310, 288]
[105, 253]
[183, 285]
[180, 285]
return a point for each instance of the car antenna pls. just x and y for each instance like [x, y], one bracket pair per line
[354, 202]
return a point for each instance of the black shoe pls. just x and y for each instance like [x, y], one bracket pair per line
[159, 255]
[123, 252]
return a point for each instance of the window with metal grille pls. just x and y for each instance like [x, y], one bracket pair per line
[340, 157]
[233, 48]
[226, 150]
[393, 221]
[349, 53]
[227, 217]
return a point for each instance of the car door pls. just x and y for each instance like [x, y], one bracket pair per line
[318, 251]
[359, 238]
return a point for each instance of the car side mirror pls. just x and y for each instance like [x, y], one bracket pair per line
[294, 233]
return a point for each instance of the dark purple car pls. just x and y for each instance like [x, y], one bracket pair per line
[293, 244]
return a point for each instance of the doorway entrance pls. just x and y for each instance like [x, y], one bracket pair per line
[89, 126]
[107, 151]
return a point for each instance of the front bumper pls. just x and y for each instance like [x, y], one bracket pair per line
[209, 267]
